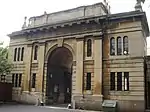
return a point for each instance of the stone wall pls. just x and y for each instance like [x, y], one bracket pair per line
[133, 62]
[99, 64]
[88, 102]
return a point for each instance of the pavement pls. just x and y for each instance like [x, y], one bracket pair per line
[31, 108]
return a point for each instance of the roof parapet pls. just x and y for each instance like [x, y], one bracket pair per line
[97, 9]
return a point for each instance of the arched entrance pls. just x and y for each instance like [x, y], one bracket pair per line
[59, 76]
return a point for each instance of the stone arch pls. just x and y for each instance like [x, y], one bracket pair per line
[48, 53]
[59, 61]
[51, 49]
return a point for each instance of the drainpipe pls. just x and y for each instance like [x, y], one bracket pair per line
[104, 33]
[83, 78]
[83, 67]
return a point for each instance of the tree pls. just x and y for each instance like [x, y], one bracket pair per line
[5, 65]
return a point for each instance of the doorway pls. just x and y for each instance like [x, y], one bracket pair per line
[59, 76]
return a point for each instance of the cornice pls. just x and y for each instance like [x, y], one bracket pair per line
[87, 20]
[58, 25]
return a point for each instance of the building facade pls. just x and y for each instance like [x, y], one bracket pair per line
[83, 55]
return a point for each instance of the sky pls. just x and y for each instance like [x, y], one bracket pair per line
[12, 12]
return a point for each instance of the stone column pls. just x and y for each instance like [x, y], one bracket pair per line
[98, 66]
[28, 59]
[79, 65]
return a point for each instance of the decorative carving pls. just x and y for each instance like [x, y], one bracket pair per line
[60, 42]
[45, 13]
[139, 1]
[138, 5]
[24, 24]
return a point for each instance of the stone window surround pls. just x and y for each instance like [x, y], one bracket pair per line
[122, 44]
[89, 48]
[88, 92]
[18, 56]
[123, 86]
[33, 52]
[112, 46]
[92, 49]
[33, 81]
[88, 81]
[19, 80]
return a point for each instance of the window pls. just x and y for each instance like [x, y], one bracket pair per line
[18, 58]
[88, 81]
[89, 47]
[13, 78]
[35, 52]
[16, 81]
[126, 81]
[112, 81]
[3, 78]
[22, 53]
[20, 78]
[119, 46]
[125, 45]
[15, 54]
[33, 80]
[119, 81]
[112, 46]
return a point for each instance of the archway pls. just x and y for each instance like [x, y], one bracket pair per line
[59, 76]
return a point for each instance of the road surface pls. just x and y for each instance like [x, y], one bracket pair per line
[29, 108]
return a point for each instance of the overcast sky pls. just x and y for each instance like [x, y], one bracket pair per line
[13, 11]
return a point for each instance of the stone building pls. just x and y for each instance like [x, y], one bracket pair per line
[83, 55]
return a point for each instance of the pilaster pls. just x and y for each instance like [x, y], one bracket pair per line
[28, 59]
[79, 65]
[98, 66]
[41, 55]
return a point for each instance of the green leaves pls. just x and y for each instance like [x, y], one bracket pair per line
[5, 65]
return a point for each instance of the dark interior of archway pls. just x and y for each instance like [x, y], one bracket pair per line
[59, 76]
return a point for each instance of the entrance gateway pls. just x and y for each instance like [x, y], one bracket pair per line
[59, 76]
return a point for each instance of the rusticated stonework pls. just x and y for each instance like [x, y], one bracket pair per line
[62, 38]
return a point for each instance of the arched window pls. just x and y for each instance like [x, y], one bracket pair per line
[119, 46]
[125, 45]
[15, 54]
[18, 58]
[112, 46]
[89, 47]
[35, 52]
[22, 53]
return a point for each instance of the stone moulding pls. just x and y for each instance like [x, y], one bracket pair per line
[97, 19]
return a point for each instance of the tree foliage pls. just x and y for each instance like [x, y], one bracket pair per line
[5, 65]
